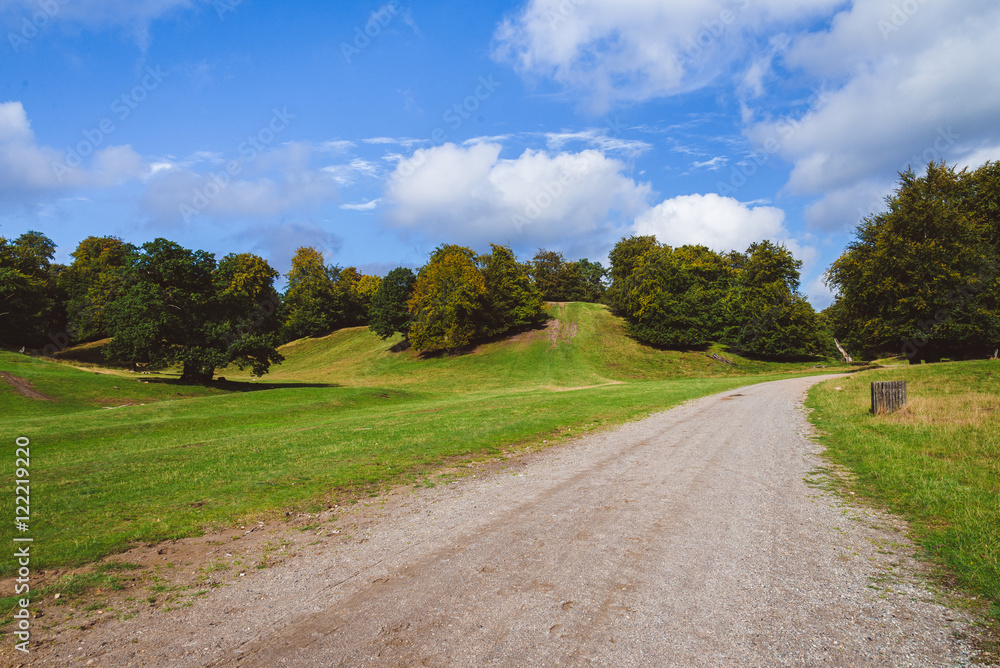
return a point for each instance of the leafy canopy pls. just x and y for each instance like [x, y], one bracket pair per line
[923, 277]
[178, 307]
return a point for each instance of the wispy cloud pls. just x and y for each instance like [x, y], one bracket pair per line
[366, 206]
[405, 142]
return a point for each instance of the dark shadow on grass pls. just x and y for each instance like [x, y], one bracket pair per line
[662, 348]
[471, 348]
[238, 385]
[746, 354]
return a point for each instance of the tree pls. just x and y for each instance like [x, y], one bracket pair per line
[30, 301]
[766, 314]
[557, 279]
[177, 307]
[593, 276]
[689, 296]
[923, 277]
[363, 291]
[312, 302]
[513, 299]
[388, 312]
[673, 296]
[91, 281]
[248, 307]
[624, 257]
[448, 300]
[350, 311]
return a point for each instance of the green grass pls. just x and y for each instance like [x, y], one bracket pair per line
[936, 462]
[344, 416]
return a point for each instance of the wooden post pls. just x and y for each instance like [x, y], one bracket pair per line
[888, 396]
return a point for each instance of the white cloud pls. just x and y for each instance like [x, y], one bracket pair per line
[713, 165]
[29, 171]
[276, 182]
[721, 223]
[818, 294]
[978, 157]
[347, 174]
[843, 208]
[370, 205]
[570, 201]
[135, 16]
[640, 49]
[903, 89]
[335, 146]
[599, 139]
[405, 142]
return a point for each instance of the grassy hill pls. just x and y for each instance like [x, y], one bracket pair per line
[582, 345]
[119, 458]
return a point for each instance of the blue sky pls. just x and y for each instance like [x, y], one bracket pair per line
[376, 131]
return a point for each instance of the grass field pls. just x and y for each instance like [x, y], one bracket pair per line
[936, 462]
[120, 458]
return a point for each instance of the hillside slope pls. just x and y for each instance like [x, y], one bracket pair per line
[582, 345]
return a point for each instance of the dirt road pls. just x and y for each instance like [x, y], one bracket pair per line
[690, 538]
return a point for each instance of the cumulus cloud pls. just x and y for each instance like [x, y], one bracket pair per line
[642, 49]
[470, 195]
[29, 171]
[721, 223]
[910, 86]
[724, 224]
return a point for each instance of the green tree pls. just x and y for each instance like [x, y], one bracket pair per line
[448, 300]
[176, 307]
[624, 257]
[766, 314]
[31, 304]
[350, 310]
[313, 305]
[388, 312]
[248, 311]
[91, 281]
[363, 291]
[922, 277]
[557, 279]
[513, 299]
[674, 296]
[594, 280]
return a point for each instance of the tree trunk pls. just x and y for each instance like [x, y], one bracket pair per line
[847, 358]
[194, 374]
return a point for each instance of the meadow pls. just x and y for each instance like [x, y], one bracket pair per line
[936, 462]
[119, 458]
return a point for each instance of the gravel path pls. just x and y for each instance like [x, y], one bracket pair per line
[690, 538]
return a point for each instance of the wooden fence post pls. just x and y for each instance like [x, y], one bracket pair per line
[888, 396]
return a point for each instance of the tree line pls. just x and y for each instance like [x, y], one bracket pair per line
[689, 296]
[921, 279]
[161, 304]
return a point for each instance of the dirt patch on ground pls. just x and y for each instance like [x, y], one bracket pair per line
[585, 387]
[24, 387]
[525, 338]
